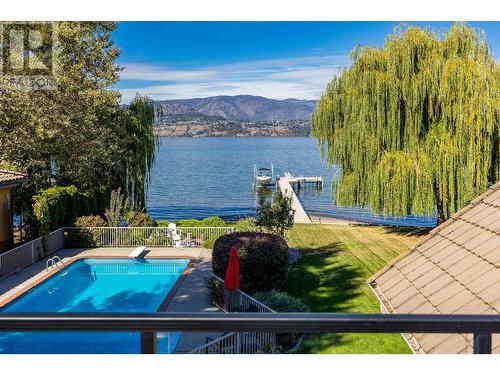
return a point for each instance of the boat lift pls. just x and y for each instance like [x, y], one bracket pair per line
[263, 176]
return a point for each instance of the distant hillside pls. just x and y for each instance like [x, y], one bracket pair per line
[236, 108]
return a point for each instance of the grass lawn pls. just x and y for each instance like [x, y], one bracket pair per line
[331, 277]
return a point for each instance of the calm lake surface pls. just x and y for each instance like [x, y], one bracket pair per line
[200, 177]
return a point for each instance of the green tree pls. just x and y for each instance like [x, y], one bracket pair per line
[78, 134]
[414, 125]
[139, 144]
[276, 216]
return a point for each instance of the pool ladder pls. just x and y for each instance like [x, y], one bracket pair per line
[54, 263]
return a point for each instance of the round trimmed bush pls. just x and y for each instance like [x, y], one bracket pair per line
[263, 260]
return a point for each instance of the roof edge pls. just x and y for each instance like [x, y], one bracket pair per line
[493, 188]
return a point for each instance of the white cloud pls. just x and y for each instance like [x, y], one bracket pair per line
[144, 72]
[303, 78]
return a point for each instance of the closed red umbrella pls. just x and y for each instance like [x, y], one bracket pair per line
[232, 279]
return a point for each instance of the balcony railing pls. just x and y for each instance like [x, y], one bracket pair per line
[237, 342]
[482, 326]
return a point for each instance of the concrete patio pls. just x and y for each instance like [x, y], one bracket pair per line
[191, 296]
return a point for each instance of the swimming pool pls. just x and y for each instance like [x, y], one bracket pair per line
[96, 285]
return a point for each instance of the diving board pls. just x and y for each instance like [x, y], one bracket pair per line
[137, 252]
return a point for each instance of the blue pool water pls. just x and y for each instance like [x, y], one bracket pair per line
[96, 285]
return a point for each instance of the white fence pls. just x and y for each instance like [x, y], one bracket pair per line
[237, 300]
[27, 254]
[142, 236]
[238, 342]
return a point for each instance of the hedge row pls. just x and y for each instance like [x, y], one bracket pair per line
[60, 205]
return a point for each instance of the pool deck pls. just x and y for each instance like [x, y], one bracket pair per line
[190, 296]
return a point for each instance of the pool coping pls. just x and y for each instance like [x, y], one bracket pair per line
[163, 306]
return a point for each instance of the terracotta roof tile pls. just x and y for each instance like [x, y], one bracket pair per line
[451, 344]
[463, 265]
[412, 255]
[396, 277]
[430, 341]
[487, 247]
[425, 248]
[490, 294]
[443, 294]
[412, 303]
[496, 304]
[401, 298]
[490, 219]
[495, 341]
[475, 306]
[450, 228]
[474, 272]
[448, 249]
[427, 277]
[8, 177]
[458, 254]
[419, 271]
[437, 284]
[417, 263]
[456, 269]
[425, 308]
[478, 213]
[484, 281]
[455, 302]
[493, 198]
[469, 231]
[478, 239]
[402, 285]
[495, 226]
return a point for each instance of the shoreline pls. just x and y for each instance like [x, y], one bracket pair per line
[321, 219]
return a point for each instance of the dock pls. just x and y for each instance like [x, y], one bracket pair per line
[285, 185]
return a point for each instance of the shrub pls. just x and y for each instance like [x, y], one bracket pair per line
[139, 219]
[212, 221]
[263, 259]
[117, 208]
[283, 302]
[209, 244]
[90, 221]
[276, 216]
[247, 225]
[59, 206]
[85, 237]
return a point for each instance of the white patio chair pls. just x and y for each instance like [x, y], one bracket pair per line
[177, 240]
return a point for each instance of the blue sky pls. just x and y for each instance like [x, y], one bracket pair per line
[179, 60]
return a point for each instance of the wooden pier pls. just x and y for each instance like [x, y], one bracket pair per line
[285, 185]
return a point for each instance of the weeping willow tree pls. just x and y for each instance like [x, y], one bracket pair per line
[414, 126]
[140, 146]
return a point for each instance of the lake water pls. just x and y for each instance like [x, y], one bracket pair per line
[200, 177]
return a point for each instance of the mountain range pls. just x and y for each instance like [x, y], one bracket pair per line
[236, 108]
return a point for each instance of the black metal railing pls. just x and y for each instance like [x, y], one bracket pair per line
[482, 326]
